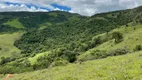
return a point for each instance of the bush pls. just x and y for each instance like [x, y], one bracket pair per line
[117, 36]
[7, 69]
[138, 48]
[95, 42]
[69, 55]
[59, 62]
[17, 66]
[119, 51]
[43, 62]
[5, 60]
[55, 58]
[97, 54]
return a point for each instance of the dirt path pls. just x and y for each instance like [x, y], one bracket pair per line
[8, 76]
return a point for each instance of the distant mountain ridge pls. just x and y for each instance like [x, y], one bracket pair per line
[34, 19]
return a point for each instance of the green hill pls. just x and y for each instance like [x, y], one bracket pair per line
[35, 19]
[131, 39]
[69, 42]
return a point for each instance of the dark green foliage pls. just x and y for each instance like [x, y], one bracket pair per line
[59, 62]
[117, 52]
[8, 29]
[61, 56]
[95, 42]
[35, 19]
[17, 66]
[138, 48]
[44, 61]
[12, 69]
[5, 60]
[69, 55]
[117, 36]
[99, 54]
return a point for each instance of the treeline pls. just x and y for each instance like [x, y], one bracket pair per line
[7, 29]
[35, 19]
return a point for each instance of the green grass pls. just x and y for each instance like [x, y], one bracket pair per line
[14, 23]
[6, 44]
[44, 25]
[126, 67]
[131, 39]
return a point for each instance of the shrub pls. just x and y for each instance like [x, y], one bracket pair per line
[59, 62]
[138, 48]
[117, 36]
[69, 55]
[5, 60]
[17, 66]
[8, 69]
[97, 54]
[119, 51]
[43, 62]
[96, 41]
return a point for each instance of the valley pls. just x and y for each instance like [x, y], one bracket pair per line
[42, 45]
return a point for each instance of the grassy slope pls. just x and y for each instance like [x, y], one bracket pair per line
[6, 43]
[112, 68]
[126, 67]
[44, 25]
[14, 23]
[131, 39]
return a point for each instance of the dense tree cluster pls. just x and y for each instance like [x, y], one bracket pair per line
[6, 28]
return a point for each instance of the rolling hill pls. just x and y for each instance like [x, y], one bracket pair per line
[70, 46]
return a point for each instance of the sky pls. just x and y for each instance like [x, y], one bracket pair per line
[83, 7]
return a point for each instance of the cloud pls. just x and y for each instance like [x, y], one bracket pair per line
[22, 7]
[83, 7]
[130, 3]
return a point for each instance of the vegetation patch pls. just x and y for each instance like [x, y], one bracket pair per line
[7, 47]
[121, 67]
[14, 23]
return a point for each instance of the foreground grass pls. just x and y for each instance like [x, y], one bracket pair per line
[6, 43]
[125, 67]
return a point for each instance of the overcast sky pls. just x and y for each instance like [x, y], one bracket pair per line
[83, 7]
